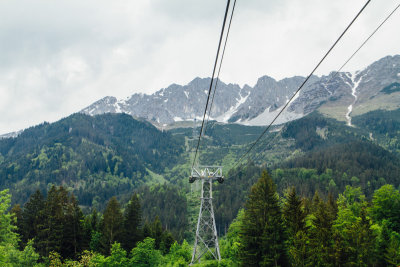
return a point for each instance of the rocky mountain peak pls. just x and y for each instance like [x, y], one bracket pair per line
[332, 95]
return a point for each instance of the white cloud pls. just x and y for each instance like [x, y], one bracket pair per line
[59, 56]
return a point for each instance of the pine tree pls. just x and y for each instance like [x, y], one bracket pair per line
[321, 242]
[383, 244]
[50, 234]
[132, 223]
[332, 205]
[32, 216]
[363, 241]
[166, 241]
[94, 220]
[147, 230]
[295, 224]
[112, 225]
[293, 214]
[392, 254]
[262, 234]
[72, 230]
[157, 231]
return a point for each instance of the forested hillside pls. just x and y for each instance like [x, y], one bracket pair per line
[95, 157]
[384, 127]
[102, 160]
[328, 156]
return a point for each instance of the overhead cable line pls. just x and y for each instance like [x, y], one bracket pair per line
[220, 64]
[211, 83]
[301, 86]
[366, 40]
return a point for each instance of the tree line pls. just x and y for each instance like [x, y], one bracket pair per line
[287, 229]
[298, 231]
[54, 226]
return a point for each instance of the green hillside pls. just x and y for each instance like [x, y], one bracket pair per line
[96, 157]
[114, 155]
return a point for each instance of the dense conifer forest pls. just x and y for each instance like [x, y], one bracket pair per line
[272, 229]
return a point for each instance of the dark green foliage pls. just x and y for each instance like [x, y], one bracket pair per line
[132, 223]
[32, 216]
[392, 88]
[362, 243]
[383, 126]
[166, 242]
[105, 155]
[391, 254]
[61, 232]
[380, 122]
[317, 232]
[303, 131]
[73, 234]
[168, 202]
[50, 235]
[111, 225]
[329, 170]
[295, 224]
[163, 238]
[95, 241]
[293, 213]
[321, 243]
[230, 196]
[60, 228]
[363, 160]
[315, 131]
[225, 135]
[262, 234]
[90, 227]
[16, 212]
[94, 220]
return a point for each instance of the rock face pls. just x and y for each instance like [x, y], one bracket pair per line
[258, 105]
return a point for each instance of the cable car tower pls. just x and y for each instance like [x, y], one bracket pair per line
[206, 233]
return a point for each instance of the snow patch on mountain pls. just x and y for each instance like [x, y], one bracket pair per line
[225, 117]
[11, 135]
[178, 119]
[267, 116]
[260, 103]
[353, 93]
[294, 98]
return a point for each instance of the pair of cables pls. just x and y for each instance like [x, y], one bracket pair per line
[246, 154]
[208, 110]
[301, 86]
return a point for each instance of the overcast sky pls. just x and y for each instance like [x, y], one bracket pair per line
[57, 57]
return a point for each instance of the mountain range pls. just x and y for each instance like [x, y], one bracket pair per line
[102, 155]
[339, 95]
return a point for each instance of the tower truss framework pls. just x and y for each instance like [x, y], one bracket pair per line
[206, 233]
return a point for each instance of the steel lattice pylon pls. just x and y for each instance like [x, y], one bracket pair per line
[206, 233]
